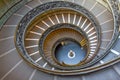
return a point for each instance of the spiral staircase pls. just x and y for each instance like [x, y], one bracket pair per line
[31, 40]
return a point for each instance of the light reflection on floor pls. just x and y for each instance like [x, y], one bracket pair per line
[70, 53]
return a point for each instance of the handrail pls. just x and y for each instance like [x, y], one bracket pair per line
[10, 11]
